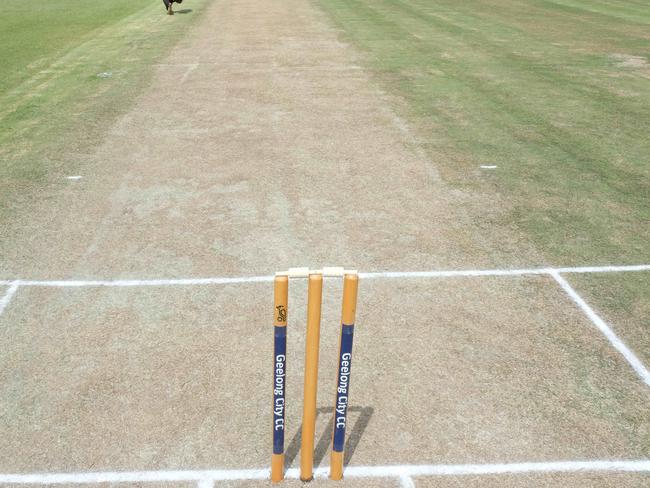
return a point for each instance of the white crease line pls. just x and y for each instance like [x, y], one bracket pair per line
[406, 482]
[504, 272]
[399, 471]
[453, 273]
[6, 298]
[136, 476]
[603, 269]
[642, 465]
[170, 282]
[371, 275]
[205, 484]
[618, 344]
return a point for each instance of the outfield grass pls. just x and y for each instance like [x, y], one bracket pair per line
[70, 67]
[556, 93]
[33, 32]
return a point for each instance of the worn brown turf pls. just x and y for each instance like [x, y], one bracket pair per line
[278, 151]
[283, 152]
[479, 370]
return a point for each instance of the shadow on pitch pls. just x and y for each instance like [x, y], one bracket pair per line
[325, 441]
[183, 11]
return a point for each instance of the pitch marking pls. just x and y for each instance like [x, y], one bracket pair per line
[371, 275]
[6, 298]
[614, 340]
[401, 472]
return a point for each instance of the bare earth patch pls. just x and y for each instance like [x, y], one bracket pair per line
[629, 61]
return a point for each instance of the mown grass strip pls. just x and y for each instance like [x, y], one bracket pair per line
[72, 67]
[555, 93]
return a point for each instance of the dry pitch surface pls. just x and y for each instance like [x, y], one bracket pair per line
[278, 150]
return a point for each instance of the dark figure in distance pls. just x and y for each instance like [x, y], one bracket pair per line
[168, 5]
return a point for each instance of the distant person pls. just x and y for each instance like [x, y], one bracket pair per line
[168, 5]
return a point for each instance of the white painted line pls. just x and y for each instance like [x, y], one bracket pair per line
[504, 272]
[506, 468]
[75, 177]
[454, 273]
[6, 298]
[604, 269]
[489, 166]
[169, 282]
[406, 482]
[397, 471]
[618, 344]
[371, 275]
[136, 476]
[205, 484]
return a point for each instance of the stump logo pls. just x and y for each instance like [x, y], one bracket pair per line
[282, 313]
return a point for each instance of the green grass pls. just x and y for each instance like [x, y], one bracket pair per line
[52, 101]
[33, 32]
[554, 92]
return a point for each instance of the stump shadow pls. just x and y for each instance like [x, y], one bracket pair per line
[353, 436]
